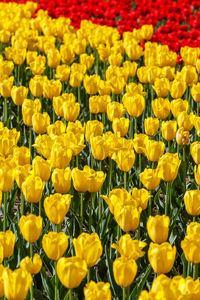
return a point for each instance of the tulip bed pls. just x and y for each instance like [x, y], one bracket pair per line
[99, 151]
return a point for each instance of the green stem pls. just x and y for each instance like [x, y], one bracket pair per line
[110, 174]
[31, 256]
[30, 139]
[128, 292]
[79, 95]
[188, 269]
[194, 219]
[31, 207]
[124, 293]
[195, 271]
[125, 180]
[131, 128]
[5, 198]
[22, 204]
[88, 275]
[54, 116]
[5, 111]
[58, 227]
[197, 109]
[56, 282]
[135, 125]
[70, 294]
[18, 74]
[18, 117]
[90, 215]
[140, 168]
[168, 146]
[77, 161]
[81, 213]
[100, 204]
[184, 160]
[150, 207]
[167, 199]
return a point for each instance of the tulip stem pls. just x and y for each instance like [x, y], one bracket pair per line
[90, 215]
[110, 174]
[5, 198]
[188, 269]
[168, 146]
[5, 112]
[18, 117]
[197, 109]
[125, 180]
[124, 293]
[79, 95]
[81, 213]
[195, 271]
[184, 160]
[22, 204]
[140, 168]
[131, 128]
[150, 207]
[31, 207]
[56, 282]
[58, 227]
[167, 199]
[70, 294]
[88, 275]
[128, 292]
[135, 125]
[30, 139]
[31, 256]
[194, 219]
[40, 207]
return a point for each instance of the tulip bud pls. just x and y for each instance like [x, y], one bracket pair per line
[6, 86]
[32, 189]
[71, 111]
[30, 227]
[195, 152]
[91, 84]
[150, 179]
[182, 136]
[71, 271]
[40, 122]
[190, 246]
[60, 157]
[93, 128]
[29, 107]
[124, 158]
[36, 86]
[61, 179]
[115, 110]
[154, 150]
[97, 291]
[31, 265]
[168, 166]
[7, 240]
[139, 142]
[141, 197]
[168, 129]
[99, 147]
[161, 108]
[22, 155]
[177, 89]
[18, 94]
[55, 244]
[157, 228]
[123, 266]
[151, 126]
[120, 125]
[161, 257]
[192, 202]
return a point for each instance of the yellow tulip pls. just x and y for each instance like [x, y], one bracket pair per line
[154, 150]
[93, 128]
[182, 136]
[192, 202]
[61, 179]
[124, 158]
[120, 125]
[30, 227]
[18, 94]
[40, 122]
[123, 266]
[178, 106]
[150, 179]
[31, 265]
[161, 108]
[151, 126]
[98, 291]
[158, 228]
[7, 240]
[168, 166]
[55, 244]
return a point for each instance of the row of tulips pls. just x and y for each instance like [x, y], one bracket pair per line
[116, 130]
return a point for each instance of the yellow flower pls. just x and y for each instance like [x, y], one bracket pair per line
[87, 60]
[139, 142]
[124, 158]
[62, 72]
[130, 67]
[182, 136]
[56, 207]
[16, 283]
[179, 105]
[38, 65]
[195, 92]
[158, 228]
[32, 188]
[53, 58]
[177, 88]
[71, 271]
[115, 110]
[91, 84]
[161, 257]
[31, 265]
[168, 129]
[135, 105]
[93, 128]
[190, 246]
[151, 126]
[150, 179]
[161, 87]
[40, 122]
[36, 85]
[123, 266]
[197, 174]
[51, 88]
[185, 120]
[168, 166]
[154, 150]
[30, 227]
[6, 175]
[7, 241]
[21, 155]
[67, 53]
[98, 291]
[99, 147]
[29, 107]
[88, 247]
[120, 125]
[195, 152]
[98, 104]
[61, 179]
[41, 168]
[129, 248]
[6, 86]
[20, 174]
[71, 111]
[161, 108]
[43, 144]
[76, 79]
[55, 244]
[18, 94]
[192, 202]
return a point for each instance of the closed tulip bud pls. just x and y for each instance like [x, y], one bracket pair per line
[60, 156]
[2, 268]
[6, 176]
[169, 129]
[53, 58]
[120, 125]
[71, 271]
[38, 65]
[188, 74]
[93, 128]
[19, 56]
[30, 227]
[87, 60]
[154, 150]
[197, 174]
[150, 179]
[52, 88]
[62, 72]
[146, 32]
[195, 92]
[131, 249]
[43, 144]
[98, 104]
[88, 247]
[31, 265]
[195, 152]
[21, 173]
[91, 84]
[127, 216]
[139, 142]
[71, 111]
[115, 110]
[16, 283]
[177, 89]
[79, 46]
[115, 59]
[193, 228]
[168, 166]
[161, 108]
[41, 168]
[21, 155]
[57, 128]
[124, 158]
[99, 147]
[134, 51]
[130, 67]
[104, 88]
[141, 197]
[192, 202]
[190, 246]
[36, 86]
[76, 79]
[6, 86]
[18, 94]
[117, 84]
[67, 53]
[5, 36]
[158, 228]
[32, 189]
[178, 106]
[161, 87]
[61, 179]
[55, 244]
[7, 240]
[135, 105]
[56, 207]
[121, 267]
[182, 136]
[98, 291]
[161, 257]
[29, 107]
[151, 126]
[186, 121]
[80, 181]
[40, 122]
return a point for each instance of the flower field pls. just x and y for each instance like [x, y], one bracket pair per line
[100, 150]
